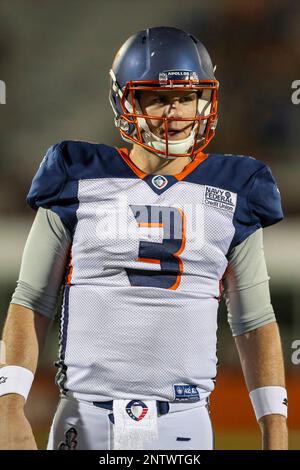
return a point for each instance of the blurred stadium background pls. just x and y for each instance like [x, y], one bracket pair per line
[55, 57]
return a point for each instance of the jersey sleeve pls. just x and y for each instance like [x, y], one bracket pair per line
[39, 283]
[246, 286]
[264, 199]
[259, 202]
[49, 181]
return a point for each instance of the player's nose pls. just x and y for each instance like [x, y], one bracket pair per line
[174, 109]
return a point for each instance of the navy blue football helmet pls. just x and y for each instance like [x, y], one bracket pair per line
[164, 58]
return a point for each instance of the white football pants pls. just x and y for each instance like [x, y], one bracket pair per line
[81, 425]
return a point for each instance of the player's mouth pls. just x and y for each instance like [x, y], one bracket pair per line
[178, 130]
[176, 134]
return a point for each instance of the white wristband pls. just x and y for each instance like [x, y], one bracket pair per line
[15, 379]
[269, 400]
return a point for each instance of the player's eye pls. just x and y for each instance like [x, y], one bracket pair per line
[157, 100]
[188, 99]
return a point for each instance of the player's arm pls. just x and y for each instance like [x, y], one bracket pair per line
[262, 362]
[23, 339]
[253, 324]
[31, 312]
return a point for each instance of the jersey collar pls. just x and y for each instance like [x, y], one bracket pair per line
[198, 159]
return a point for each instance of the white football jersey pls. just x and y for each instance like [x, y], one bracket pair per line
[139, 316]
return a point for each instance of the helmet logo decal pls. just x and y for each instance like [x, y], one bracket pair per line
[159, 181]
[167, 75]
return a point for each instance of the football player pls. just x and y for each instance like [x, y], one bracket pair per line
[142, 239]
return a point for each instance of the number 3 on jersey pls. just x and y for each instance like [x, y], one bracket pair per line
[171, 221]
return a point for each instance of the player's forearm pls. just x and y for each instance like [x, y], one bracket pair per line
[262, 362]
[23, 339]
[20, 338]
[261, 357]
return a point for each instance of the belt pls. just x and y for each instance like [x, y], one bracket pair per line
[163, 407]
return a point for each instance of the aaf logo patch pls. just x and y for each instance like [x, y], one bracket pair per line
[219, 198]
[159, 181]
[136, 409]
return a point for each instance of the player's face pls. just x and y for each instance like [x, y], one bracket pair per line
[172, 104]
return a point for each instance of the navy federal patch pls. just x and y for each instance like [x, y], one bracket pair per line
[219, 198]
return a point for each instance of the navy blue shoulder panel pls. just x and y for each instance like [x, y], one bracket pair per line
[258, 197]
[55, 184]
[84, 160]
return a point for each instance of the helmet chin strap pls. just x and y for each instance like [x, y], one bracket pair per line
[174, 146]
